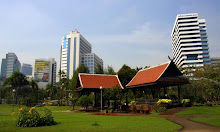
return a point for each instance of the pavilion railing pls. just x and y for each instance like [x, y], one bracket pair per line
[147, 102]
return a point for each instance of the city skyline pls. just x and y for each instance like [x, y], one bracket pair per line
[114, 28]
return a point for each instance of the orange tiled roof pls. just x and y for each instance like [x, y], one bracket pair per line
[97, 80]
[149, 75]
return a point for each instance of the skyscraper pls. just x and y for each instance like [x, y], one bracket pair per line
[74, 46]
[91, 60]
[189, 41]
[45, 71]
[26, 69]
[3, 68]
[9, 65]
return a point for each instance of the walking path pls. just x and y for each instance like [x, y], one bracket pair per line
[186, 123]
[190, 126]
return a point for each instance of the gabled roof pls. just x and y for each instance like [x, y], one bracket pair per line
[95, 81]
[156, 74]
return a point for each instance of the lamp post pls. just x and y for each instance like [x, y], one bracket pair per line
[101, 96]
[13, 94]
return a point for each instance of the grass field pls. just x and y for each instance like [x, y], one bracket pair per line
[9, 107]
[84, 123]
[204, 110]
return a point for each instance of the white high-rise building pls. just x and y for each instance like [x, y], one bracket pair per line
[189, 41]
[74, 48]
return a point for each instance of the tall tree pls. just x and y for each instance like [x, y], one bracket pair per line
[99, 69]
[34, 89]
[64, 85]
[81, 69]
[109, 71]
[209, 77]
[125, 74]
[17, 80]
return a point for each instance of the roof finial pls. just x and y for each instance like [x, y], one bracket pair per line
[169, 58]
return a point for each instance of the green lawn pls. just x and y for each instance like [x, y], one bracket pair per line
[8, 108]
[84, 123]
[204, 110]
[213, 121]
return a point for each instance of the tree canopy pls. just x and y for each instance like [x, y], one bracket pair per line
[109, 71]
[99, 69]
[125, 74]
[81, 69]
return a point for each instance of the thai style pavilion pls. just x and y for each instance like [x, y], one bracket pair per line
[88, 83]
[157, 77]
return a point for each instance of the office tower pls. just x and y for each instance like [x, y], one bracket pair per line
[9, 65]
[45, 71]
[26, 69]
[74, 46]
[3, 68]
[91, 60]
[189, 41]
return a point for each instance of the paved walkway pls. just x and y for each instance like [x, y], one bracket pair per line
[190, 126]
[186, 123]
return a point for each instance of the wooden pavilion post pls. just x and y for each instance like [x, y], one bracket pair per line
[153, 92]
[158, 92]
[126, 95]
[165, 91]
[95, 99]
[134, 91]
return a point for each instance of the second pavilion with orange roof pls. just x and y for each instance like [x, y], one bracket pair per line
[157, 77]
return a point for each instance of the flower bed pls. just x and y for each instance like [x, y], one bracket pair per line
[29, 117]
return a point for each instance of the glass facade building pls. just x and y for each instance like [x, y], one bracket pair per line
[9, 65]
[91, 60]
[26, 69]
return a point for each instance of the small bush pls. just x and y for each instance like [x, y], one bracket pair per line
[84, 101]
[31, 118]
[200, 99]
[183, 101]
[164, 101]
[158, 108]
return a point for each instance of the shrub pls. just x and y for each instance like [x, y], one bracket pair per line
[189, 96]
[158, 108]
[84, 101]
[200, 99]
[31, 118]
[29, 101]
[73, 101]
[132, 102]
[184, 101]
[164, 101]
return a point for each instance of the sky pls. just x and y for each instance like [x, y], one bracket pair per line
[136, 33]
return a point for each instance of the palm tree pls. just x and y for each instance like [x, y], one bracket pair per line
[17, 80]
[34, 88]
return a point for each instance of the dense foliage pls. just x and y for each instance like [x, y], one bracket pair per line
[84, 101]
